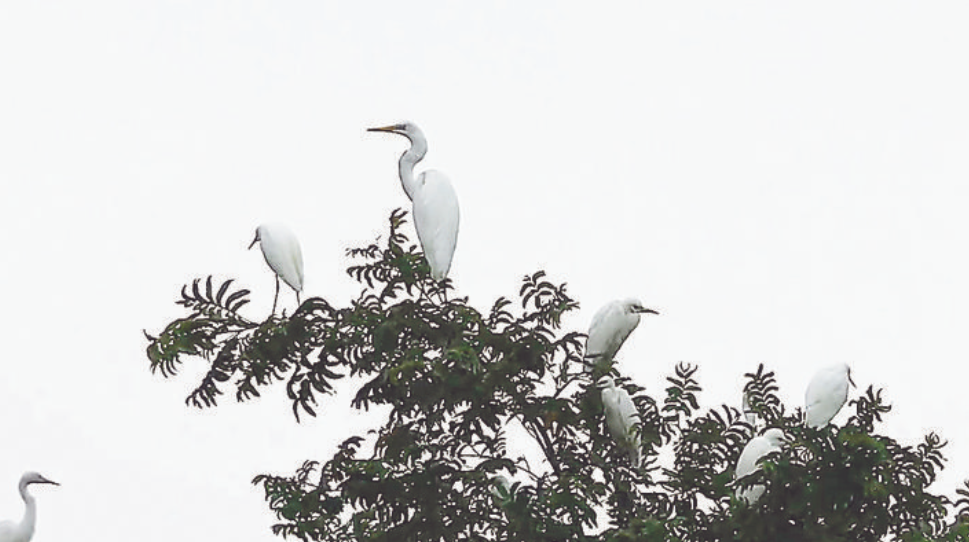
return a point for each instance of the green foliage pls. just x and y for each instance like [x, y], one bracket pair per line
[455, 379]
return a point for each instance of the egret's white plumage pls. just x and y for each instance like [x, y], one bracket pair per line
[621, 418]
[757, 448]
[281, 250]
[23, 531]
[749, 415]
[435, 203]
[826, 394]
[610, 327]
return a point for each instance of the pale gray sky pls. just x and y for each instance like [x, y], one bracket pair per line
[786, 184]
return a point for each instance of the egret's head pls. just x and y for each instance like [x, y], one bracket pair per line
[32, 477]
[606, 382]
[407, 129]
[775, 436]
[633, 305]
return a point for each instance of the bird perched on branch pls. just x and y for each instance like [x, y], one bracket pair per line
[758, 447]
[826, 394]
[610, 328]
[435, 204]
[622, 418]
[281, 250]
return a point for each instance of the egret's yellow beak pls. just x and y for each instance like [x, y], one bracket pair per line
[392, 128]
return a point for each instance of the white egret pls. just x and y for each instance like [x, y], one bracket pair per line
[610, 327]
[749, 415]
[757, 448]
[23, 531]
[435, 204]
[621, 417]
[281, 250]
[826, 394]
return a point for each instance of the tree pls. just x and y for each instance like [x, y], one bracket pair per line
[455, 378]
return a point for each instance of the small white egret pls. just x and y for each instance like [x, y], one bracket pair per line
[749, 415]
[621, 417]
[757, 448]
[281, 250]
[610, 327]
[23, 531]
[826, 394]
[435, 204]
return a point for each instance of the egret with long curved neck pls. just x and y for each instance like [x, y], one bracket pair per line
[23, 531]
[435, 204]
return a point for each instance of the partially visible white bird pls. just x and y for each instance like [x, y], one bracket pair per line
[757, 448]
[610, 327]
[281, 250]
[749, 415]
[501, 487]
[23, 531]
[621, 418]
[435, 204]
[826, 394]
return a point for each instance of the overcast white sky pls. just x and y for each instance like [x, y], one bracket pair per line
[785, 184]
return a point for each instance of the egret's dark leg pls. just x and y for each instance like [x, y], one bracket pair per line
[276, 297]
[297, 299]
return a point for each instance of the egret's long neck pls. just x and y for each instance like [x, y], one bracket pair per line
[413, 155]
[30, 512]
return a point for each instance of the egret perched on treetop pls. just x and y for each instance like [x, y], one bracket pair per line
[281, 250]
[826, 394]
[435, 204]
[24, 530]
[621, 417]
[610, 327]
[757, 448]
